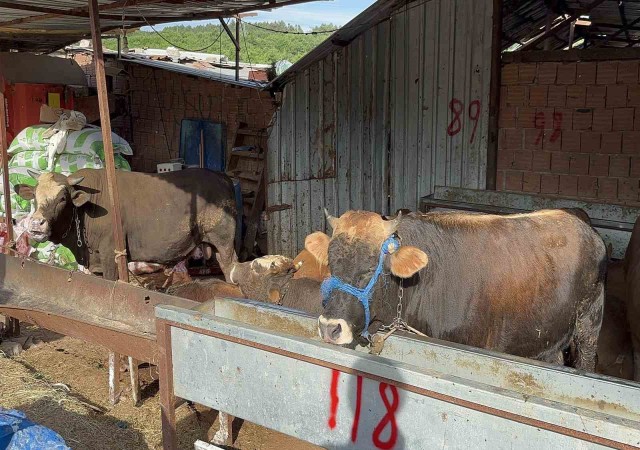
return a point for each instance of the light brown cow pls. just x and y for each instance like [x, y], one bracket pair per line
[632, 278]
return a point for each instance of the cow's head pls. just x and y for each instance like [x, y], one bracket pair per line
[353, 253]
[255, 277]
[55, 197]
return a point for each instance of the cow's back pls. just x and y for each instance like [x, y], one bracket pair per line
[509, 283]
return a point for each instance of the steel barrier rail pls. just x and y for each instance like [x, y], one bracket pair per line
[418, 394]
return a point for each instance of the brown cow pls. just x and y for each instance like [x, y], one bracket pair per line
[530, 285]
[632, 277]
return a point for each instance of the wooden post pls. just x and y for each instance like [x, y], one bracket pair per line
[167, 399]
[572, 32]
[134, 377]
[112, 187]
[494, 96]
[237, 48]
[547, 29]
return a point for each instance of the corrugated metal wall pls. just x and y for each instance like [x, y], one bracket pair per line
[373, 126]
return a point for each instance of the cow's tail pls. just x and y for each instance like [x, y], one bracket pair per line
[588, 323]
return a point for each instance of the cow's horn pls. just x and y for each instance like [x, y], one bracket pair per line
[75, 180]
[390, 226]
[33, 174]
[330, 219]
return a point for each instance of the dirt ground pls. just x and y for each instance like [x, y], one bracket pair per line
[62, 384]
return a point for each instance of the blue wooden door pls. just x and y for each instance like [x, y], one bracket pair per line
[191, 131]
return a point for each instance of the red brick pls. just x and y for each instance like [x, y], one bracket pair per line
[628, 189]
[602, 119]
[611, 142]
[617, 96]
[507, 117]
[631, 142]
[560, 162]
[607, 72]
[531, 182]
[590, 142]
[628, 72]
[623, 119]
[505, 159]
[568, 185]
[587, 187]
[582, 119]
[510, 74]
[576, 96]
[596, 97]
[635, 166]
[500, 180]
[565, 117]
[607, 188]
[636, 119]
[522, 160]
[566, 73]
[549, 184]
[517, 96]
[557, 96]
[533, 139]
[552, 140]
[599, 165]
[547, 72]
[512, 139]
[619, 166]
[633, 95]
[527, 73]
[541, 162]
[513, 180]
[586, 73]
[571, 141]
[579, 164]
[538, 95]
[526, 117]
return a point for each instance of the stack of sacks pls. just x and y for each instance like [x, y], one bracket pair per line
[84, 149]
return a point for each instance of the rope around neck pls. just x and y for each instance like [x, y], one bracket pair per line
[363, 295]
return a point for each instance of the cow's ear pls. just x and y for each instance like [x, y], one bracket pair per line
[407, 261]
[318, 245]
[79, 198]
[25, 191]
[274, 295]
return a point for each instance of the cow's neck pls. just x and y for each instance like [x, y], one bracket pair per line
[74, 237]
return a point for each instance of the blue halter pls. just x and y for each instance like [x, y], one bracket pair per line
[363, 295]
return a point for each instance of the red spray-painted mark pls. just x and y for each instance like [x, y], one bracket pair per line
[388, 419]
[456, 124]
[539, 124]
[557, 126]
[333, 410]
[356, 417]
[474, 115]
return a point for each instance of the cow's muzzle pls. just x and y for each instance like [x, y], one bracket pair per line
[335, 331]
[39, 230]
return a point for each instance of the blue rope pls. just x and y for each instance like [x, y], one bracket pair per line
[363, 295]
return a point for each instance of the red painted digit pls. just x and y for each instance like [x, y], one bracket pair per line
[557, 126]
[356, 417]
[456, 124]
[333, 409]
[474, 116]
[389, 418]
[539, 124]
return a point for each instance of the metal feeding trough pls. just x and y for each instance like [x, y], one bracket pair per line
[265, 364]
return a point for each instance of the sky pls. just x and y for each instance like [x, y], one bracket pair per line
[307, 15]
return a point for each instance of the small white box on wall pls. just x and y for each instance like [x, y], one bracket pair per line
[169, 167]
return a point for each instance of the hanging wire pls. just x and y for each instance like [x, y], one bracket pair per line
[175, 45]
[292, 32]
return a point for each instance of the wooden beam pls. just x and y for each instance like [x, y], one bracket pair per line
[559, 26]
[494, 97]
[618, 33]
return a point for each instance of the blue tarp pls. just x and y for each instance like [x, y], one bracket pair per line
[19, 433]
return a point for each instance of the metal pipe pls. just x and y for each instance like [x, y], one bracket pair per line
[238, 49]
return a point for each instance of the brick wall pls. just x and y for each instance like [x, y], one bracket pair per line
[571, 129]
[159, 100]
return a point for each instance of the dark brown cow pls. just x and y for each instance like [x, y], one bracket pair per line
[527, 284]
[164, 216]
[632, 277]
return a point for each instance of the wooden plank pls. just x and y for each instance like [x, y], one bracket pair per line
[330, 200]
[135, 380]
[411, 192]
[343, 147]
[302, 214]
[591, 54]
[386, 119]
[355, 124]
[315, 113]
[114, 377]
[288, 231]
[287, 144]
[167, 398]
[443, 94]
[316, 206]
[367, 59]
[429, 98]
[462, 86]
[398, 102]
[301, 143]
[329, 100]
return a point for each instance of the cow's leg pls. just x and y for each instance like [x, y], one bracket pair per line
[223, 241]
[588, 323]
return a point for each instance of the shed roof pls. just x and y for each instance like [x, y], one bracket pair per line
[29, 68]
[47, 25]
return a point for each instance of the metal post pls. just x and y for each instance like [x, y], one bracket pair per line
[494, 97]
[112, 187]
[237, 48]
[572, 32]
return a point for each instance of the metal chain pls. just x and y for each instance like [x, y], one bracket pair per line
[79, 236]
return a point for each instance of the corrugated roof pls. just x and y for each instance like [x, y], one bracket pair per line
[47, 25]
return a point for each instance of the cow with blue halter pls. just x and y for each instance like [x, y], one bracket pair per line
[530, 285]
